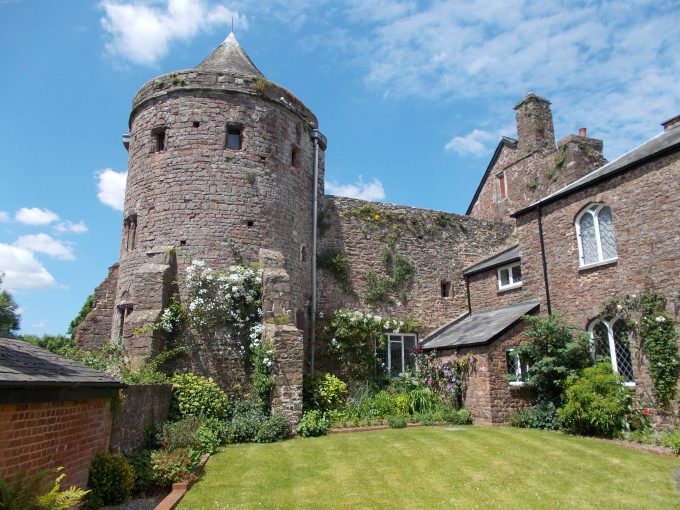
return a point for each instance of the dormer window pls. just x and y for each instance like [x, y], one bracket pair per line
[158, 139]
[510, 277]
[234, 137]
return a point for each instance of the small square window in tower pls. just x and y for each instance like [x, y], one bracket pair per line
[234, 138]
[130, 232]
[445, 287]
[501, 187]
[158, 139]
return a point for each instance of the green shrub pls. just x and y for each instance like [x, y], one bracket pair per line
[396, 422]
[539, 416]
[672, 441]
[170, 466]
[313, 423]
[180, 434]
[458, 416]
[141, 464]
[110, 480]
[275, 428]
[195, 395]
[325, 392]
[595, 403]
[41, 491]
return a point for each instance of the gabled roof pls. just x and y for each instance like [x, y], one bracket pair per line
[23, 365]
[505, 141]
[230, 57]
[662, 144]
[499, 259]
[478, 328]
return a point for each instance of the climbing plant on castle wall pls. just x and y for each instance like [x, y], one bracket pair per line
[355, 336]
[654, 333]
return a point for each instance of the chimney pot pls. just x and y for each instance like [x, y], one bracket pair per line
[582, 132]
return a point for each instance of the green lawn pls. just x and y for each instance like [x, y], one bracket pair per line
[432, 467]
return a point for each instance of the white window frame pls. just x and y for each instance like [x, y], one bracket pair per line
[513, 284]
[388, 349]
[609, 323]
[520, 370]
[594, 210]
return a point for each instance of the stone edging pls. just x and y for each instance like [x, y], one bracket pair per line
[179, 489]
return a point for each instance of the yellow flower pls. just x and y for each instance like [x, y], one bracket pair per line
[376, 217]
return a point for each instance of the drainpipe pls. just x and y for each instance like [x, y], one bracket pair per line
[539, 216]
[319, 141]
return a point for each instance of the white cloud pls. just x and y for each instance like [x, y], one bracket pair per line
[35, 216]
[41, 324]
[22, 270]
[43, 243]
[373, 190]
[69, 227]
[111, 188]
[475, 143]
[4, 216]
[142, 32]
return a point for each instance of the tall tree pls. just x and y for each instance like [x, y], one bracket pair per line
[9, 316]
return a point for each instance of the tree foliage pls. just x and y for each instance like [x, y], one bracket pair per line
[554, 350]
[86, 308]
[10, 319]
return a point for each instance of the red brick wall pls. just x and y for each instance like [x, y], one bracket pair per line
[52, 434]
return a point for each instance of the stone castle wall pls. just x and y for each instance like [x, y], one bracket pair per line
[210, 202]
[437, 245]
[96, 326]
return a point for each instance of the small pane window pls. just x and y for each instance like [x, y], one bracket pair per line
[510, 277]
[516, 367]
[398, 354]
[234, 139]
[595, 235]
[609, 340]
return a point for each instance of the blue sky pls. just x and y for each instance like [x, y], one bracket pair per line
[412, 95]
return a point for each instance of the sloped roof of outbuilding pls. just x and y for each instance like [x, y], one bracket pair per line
[478, 328]
[26, 365]
[230, 57]
[664, 143]
[499, 259]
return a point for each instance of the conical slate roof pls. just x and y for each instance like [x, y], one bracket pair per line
[230, 57]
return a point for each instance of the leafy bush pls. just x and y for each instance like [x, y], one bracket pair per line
[38, 492]
[539, 416]
[313, 423]
[458, 417]
[325, 392]
[110, 480]
[195, 395]
[672, 441]
[396, 422]
[180, 434]
[170, 466]
[554, 351]
[595, 403]
[141, 464]
[249, 424]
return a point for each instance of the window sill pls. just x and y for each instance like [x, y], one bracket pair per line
[630, 384]
[598, 264]
[517, 384]
[509, 287]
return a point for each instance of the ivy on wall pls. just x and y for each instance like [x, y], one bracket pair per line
[336, 262]
[654, 333]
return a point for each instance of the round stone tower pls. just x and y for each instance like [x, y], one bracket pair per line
[220, 166]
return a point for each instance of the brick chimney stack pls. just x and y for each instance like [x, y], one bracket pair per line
[535, 130]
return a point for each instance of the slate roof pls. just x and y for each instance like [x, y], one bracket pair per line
[507, 141]
[499, 259]
[478, 328]
[23, 364]
[664, 143]
[230, 57]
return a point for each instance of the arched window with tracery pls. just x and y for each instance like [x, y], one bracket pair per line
[595, 235]
[609, 339]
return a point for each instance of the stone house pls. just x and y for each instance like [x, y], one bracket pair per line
[222, 166]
